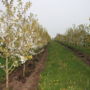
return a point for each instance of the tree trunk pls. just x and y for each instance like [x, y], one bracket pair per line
[7, 75]
[24, 70]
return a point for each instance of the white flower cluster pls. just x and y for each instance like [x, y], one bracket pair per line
[23, 59]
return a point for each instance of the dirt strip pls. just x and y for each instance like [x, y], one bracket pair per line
[84, 57]
[31, 81]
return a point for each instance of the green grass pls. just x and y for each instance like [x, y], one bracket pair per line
[81, 48]
[64, 71]
[2, 73]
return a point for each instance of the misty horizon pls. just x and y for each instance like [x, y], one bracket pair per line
[58, 15]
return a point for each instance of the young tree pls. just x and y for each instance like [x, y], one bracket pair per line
[12, 30]
[19, 33]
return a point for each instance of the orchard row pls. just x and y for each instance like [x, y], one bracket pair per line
[76, 35]
[21, 35]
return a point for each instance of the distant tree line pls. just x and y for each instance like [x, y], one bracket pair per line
[77, 35]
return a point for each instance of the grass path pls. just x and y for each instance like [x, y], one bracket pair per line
[64, 71]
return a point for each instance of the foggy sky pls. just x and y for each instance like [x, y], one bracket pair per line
[58, 15]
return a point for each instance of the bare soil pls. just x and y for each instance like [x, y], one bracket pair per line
[32, 75]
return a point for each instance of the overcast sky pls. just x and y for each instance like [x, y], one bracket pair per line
[58, 15]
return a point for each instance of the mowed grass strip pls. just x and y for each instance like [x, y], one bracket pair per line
[64, 71]
[83, 49]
